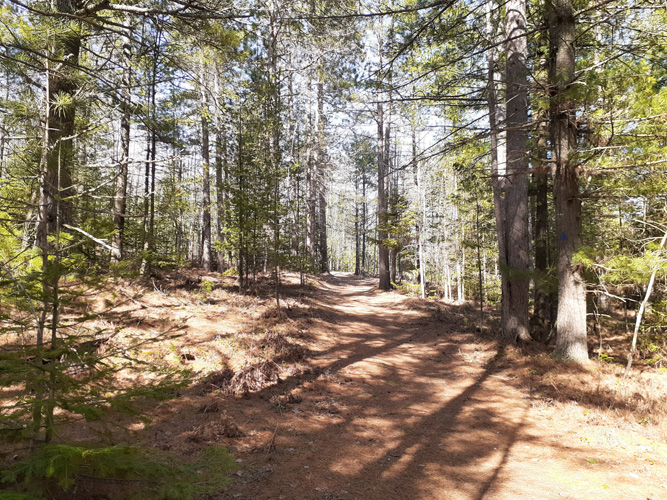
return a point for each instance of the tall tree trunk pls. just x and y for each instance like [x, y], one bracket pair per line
[120, 197]
[57, 186]
[383, 251]
[311, 183]
[3, 127]
[293, 172]
[55, 183]
[273, 119]
[571, 341]
[498, 160]
[146, 206]
[357, 242]
[363, 222]
[516, 322]
[206, 257]
[180, 231]
[321, 180]
[421, 219]
[221, 170]
[543, 300]
[323, 245]
[151, 155]
[240, 202]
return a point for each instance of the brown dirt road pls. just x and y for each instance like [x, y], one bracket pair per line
[405, 401]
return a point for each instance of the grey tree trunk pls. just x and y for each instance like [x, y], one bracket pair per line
[542, 317]
[206, 255]
[516, 321]
[323, 245]
[149, 179]
[311, 186]
[120, 198]
[363, 222]
[383, 251]
[421, 213]
[389, 188]
[273, 118]
[571, 341]
[357, 257]
[498, 158]
[321, 181]
[221, 174]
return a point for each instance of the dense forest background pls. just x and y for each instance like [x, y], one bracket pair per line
[445, 143]
[510, 153]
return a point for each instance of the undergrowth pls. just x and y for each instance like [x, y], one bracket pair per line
[137, 474]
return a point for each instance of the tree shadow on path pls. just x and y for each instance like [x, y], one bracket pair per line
[398, 405]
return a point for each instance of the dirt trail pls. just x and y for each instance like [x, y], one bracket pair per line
[405, 401]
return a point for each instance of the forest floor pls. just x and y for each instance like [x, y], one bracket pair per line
[350, 393]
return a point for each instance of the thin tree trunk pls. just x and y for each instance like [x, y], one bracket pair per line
[498, 162]
[383, 251]
[221, 169]
[542, 310]
[480, 276]
[120, 199]
[357, 242]
[273, 119]
[363, 222]
[149, 179]
[146, 207]
[640, 313]
[421, 215]
[206, 258]
[321, 181]
[311, 181]
[239, 202]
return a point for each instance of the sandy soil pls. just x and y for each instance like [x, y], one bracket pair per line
[399, 398]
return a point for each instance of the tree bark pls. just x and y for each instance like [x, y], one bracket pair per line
[151, 155]
[420, 224]
[516, 321]
[357, 257]
[120, 198]
[571, 341]
[498, 162]
[311, 186]
[363, 221]
[62, 83]
[543, 298]
[221, 174]
[206, 259]
[55, 183]
[383, 251]
[321, 181]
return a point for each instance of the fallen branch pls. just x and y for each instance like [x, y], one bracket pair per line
[96, 240]
[640, 313]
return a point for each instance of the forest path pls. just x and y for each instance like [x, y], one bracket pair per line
[405, 401]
